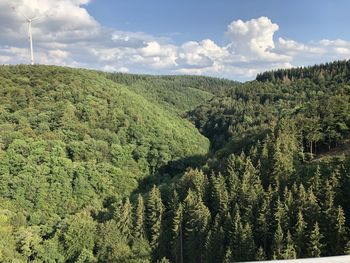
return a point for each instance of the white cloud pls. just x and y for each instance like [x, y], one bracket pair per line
[69, 35]
[254, 39]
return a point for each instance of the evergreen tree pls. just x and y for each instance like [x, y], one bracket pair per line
[219, 195]
[315, 244]
[248, 245]
[289, 252]
[300, 234]
[278, 242]
[263, 225]
[341, 232]
[196, 222]
[139, 214]
[154, 214]
[123, 218]
[177, 235]
[216, 242]
[316, 183]
[237, 236]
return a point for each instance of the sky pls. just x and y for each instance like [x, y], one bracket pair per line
[234, 39]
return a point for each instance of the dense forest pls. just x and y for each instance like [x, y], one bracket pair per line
[99, 167]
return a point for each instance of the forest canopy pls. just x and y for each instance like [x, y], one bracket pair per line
[111, 167]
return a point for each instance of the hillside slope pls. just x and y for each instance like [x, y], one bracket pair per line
[175, 93]
[72, 137]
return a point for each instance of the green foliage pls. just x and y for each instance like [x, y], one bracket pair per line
[79, 236]
[73, 141]
[315, 245]
[154, 214]
[99, 167]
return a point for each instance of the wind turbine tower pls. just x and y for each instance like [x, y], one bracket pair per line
[30, 21]
[31, 38]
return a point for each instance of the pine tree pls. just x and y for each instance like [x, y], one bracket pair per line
[154, 214]
[262, 229]
[215, 245]
[316, 183]
[341, 232]
[139, 214]
[237, 236]
[252, 191]
[278, 242]
[219, 195]
[248, 245]
[312, 209]
[196, 222]
[289, 252]
[233, 186]
[281, 216]
[315, 245]
[300, 234]
[123, 218]
[177, 235]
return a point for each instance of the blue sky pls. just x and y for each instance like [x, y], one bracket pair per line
[301, 20]
[234, 39]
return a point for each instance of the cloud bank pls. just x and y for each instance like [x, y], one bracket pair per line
[68, 35]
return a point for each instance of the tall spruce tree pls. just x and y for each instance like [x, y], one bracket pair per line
[176, 229]
[196, 223]
[139, 218]
[278, 248]
[300, 235]
[154, 214]
[315, 244]
[123, 217]
[290, 252]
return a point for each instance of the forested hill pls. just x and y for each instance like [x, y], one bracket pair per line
[101, 167]
[179, 93]
[338, 72]
[318, 107]
[73, 141]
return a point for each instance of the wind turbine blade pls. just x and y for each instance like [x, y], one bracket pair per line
[36, 18]
[16, 10]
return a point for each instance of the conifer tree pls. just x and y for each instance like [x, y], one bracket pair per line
[237, 236]
[312, 210]
[177, 235]
[216, 242]
[219, 195]
[139, 214]
[300, 234]
[123, 218]
[196, 222]
[341, 232]
[316, 183]
[281, 216]
[262, 229]
[154, 214]
[289, 252]
[233, 186]
[315, 243]
[248, 245]
[278, 242]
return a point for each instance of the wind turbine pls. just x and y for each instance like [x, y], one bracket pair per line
[29, 21]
